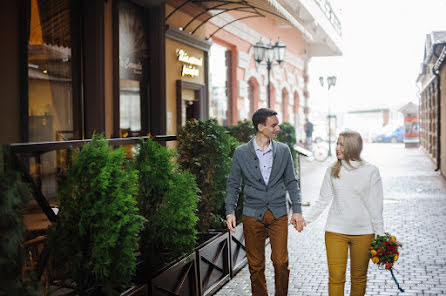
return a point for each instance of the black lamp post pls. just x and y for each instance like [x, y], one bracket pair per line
[271, 53]
[331, 81]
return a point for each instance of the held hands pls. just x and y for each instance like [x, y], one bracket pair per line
[298, 222]
[230, 221]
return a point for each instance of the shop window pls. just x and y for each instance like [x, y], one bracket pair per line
[133, 72]
[50, 89]
[218, 81]
[253, 94]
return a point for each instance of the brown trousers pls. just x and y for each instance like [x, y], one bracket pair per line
[337, 251]
[255, 234]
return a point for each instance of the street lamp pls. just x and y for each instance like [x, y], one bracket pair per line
[271, 53]
[331, 81]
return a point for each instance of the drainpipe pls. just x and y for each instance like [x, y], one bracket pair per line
[437, 75]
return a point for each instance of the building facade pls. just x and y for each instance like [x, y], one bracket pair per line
[129, 68]
[432, 80]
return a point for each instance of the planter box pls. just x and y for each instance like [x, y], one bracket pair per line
[237, 250]
[139, 290]
[213, 264]
[180, 278]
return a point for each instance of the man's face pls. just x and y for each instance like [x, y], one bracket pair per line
[271, 127]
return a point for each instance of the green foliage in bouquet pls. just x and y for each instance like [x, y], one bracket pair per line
[13, 196]
[95, 237]
[243, 131]
[168, 200]
[205, 150]
[384, 250]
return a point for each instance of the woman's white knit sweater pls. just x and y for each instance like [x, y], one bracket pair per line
[356, 200]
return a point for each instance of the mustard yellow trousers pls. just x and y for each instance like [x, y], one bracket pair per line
[337, 246]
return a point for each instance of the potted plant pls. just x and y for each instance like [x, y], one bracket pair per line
[13, 197]
[167, 198]
[205, 150]
[94, 240]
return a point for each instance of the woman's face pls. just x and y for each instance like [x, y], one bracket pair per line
[340, 148]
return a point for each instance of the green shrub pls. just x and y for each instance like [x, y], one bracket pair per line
[176, 219]
[168, 200]
[13, 196]
[205, 150]
[243, 131]
[95, 237]
[287, 135]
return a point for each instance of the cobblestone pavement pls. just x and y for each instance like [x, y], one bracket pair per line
[414, 211]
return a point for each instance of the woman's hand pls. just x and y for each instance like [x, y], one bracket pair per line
[298, 222]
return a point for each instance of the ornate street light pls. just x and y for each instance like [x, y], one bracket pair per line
[271, 53]
[331, 81]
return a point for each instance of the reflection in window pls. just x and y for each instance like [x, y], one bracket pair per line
[132, 68]
[50, 106]
[129, 107]
[218, 101]
[49, 71]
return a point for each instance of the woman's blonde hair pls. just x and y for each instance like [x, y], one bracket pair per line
[352, 150]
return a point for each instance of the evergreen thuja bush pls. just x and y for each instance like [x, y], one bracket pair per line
[168, 200]
[13, 196]
[287, 135]
[95, 237]
[243, 131]
[205, 150]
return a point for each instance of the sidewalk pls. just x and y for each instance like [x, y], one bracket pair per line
[414, 211]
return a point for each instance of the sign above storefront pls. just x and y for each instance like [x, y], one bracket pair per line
[190, 63]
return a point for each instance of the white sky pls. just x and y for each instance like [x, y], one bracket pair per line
[383, 48]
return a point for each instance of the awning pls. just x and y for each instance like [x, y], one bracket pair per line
[252, 8]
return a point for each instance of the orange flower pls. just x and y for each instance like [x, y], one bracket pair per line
[373, 252]
[389, 265]
[393, 238]
[375, 259]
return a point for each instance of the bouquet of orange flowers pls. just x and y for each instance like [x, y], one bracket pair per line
[384, 252]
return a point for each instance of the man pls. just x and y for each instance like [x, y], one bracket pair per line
[267, 169]
[308, 134]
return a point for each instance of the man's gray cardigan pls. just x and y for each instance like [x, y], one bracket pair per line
[258, 196]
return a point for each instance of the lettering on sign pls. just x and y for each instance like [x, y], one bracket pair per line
[191, 63]
[190, 71]
[126, 64]
[185, 58]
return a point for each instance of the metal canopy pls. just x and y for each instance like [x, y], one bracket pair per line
[251, 8]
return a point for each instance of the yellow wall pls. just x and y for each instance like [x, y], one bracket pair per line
[173, 73]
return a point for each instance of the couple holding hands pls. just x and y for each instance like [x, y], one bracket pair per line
[351, 185]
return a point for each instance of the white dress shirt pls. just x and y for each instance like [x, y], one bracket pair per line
[265, 160]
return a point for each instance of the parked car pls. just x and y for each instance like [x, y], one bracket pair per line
[395, 136]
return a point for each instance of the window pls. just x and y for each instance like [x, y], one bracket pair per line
[133, 76]
[218, 79]
[50, 89]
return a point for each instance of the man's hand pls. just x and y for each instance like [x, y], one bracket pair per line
[298, 222]
[230, 221]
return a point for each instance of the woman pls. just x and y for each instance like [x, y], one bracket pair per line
[354, 189]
